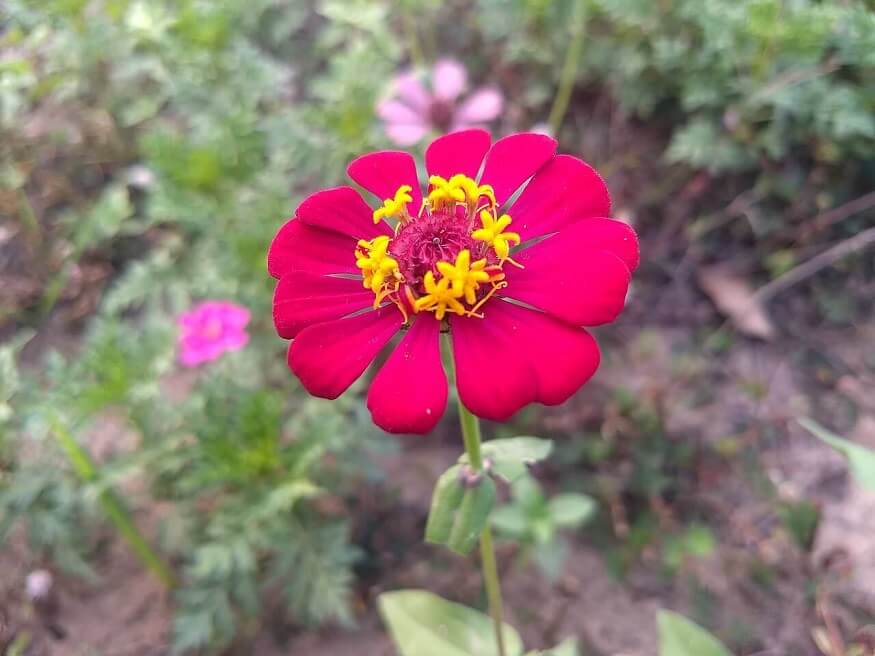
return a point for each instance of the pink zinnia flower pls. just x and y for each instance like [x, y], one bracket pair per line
[413, 111]
[210, 329]
[351, 278]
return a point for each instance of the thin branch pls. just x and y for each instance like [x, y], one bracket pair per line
[821, 261]
[842, 212]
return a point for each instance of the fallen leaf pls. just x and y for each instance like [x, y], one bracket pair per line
[735, 298]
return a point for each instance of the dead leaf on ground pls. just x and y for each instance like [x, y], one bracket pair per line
[735, 298]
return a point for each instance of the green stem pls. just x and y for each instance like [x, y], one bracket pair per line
[112, 506]
[416, 55]
[493, 586]
[569, 70]
[471, 437]
[28, 217]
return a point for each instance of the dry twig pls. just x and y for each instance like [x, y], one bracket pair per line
[810, 267]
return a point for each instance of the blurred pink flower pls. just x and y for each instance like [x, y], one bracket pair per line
[210, 329]
[412, 110]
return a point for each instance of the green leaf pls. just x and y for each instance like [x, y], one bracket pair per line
[103, 221]
[678, 636]
[571, 510]
[423, 624]
[550, 557]
[860, 459]
[529, 496]
[511, 456]
[567, 648]
[700, 540]
[511, 519]
[283, 498]
[696, 540]
[800, 518]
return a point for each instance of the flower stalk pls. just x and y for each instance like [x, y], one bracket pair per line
[471, 437]
[113, 507]
[569, 69]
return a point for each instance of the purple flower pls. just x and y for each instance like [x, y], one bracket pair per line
[412, 110]
[210, 329]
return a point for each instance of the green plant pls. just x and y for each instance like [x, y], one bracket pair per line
[261, 533]
[190, 165]
[696, 540]
[423, 624]
[534, 520]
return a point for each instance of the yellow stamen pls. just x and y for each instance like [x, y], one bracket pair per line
[465, 278]
[395, 208]
[458, 189]
[438, 297]
[458, 287]
[495, 287]
[379, 269]
[493, 233]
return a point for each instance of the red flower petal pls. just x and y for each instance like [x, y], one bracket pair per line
[493, 374]
[581, 286]
[341, 210]
[298, 247]
[459, 152]
[594, 233]
[383, 172]
[562, 357]
[409, 395]
[515, 356]
[328, 357]
[610, 235]
[302, 299]
[564, 190]
[514, 159]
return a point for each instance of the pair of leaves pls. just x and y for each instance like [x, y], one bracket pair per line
[535, 521]
[463, 498]
[423, 624]
[534, 517]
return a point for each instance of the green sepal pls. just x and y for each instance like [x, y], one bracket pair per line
[459, 511]
[445, 502]
[472, 517]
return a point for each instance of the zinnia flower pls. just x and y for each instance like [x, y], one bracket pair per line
[512, 287]
[210, 329]
[413, 111]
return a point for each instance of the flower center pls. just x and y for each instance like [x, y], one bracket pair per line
[449, 257]
[440, 113]
[213, 329]
[419, 245]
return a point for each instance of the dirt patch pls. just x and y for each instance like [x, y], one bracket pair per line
[126, 613]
